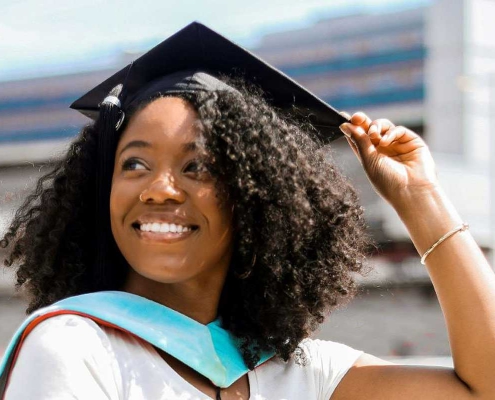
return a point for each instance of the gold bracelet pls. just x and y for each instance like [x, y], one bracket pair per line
[460, 228]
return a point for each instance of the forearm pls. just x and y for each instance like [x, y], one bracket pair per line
[463, 281]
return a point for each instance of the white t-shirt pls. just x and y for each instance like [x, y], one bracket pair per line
[72, 357]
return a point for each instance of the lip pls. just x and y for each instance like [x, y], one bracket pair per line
[163, 238]
[164, 217]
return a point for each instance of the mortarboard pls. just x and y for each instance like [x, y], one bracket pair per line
[197, 48]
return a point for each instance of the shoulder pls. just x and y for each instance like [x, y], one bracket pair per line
[330, 354]
[64, 325]
[335, 352]
[66, 335]
[323, 365]
[65, 354]
[322, 356]
[331, 359]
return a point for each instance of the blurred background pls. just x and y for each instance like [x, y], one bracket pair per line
[429, 65]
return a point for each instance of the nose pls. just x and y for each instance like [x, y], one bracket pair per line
[162, 189]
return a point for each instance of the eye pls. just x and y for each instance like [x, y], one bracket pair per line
[128, 164]
[196, 167]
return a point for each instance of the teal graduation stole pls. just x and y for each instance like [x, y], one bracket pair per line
[209, 349]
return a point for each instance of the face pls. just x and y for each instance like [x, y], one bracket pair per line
[177, 233]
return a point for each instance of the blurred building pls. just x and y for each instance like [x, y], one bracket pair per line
[428, 68]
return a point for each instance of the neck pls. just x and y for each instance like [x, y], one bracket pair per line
[197, 300]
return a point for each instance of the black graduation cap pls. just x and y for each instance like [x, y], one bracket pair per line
[197, 47]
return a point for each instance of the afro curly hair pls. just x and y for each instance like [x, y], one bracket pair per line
[300, 234]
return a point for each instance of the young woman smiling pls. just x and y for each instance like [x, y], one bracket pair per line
[227, 214]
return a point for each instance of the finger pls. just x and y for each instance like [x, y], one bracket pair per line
[361, 119]
[374, 132]
[346, 132]
[398, 133]
[354, 148]
[360, 138]
[379, 127]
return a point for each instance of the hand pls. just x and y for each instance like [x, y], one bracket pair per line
[397, 161]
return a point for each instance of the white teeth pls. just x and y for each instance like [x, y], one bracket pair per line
[163, 228]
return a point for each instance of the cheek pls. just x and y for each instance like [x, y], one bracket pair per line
[114, 201]
[221, 217]
[120, 200]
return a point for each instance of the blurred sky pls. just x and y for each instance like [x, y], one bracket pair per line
[49, 37]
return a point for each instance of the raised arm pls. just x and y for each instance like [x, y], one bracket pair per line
[401, 169]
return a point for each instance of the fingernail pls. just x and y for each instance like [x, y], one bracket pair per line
[373, 129]
[345, 114]
[345, 130]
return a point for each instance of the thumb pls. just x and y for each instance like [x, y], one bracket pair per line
[361, 140]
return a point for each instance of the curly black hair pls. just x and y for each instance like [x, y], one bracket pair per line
[300, 234]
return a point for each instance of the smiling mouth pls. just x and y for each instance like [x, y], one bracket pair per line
[164, 237]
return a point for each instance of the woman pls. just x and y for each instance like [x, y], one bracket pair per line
[222, 209]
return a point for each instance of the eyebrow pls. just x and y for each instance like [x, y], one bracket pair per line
[135, 143]
[189, 147]
[186, 147]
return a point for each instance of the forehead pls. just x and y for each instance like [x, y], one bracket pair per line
[170, 119]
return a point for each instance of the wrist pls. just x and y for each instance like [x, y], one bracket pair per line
[410, 199]
[427, 214]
